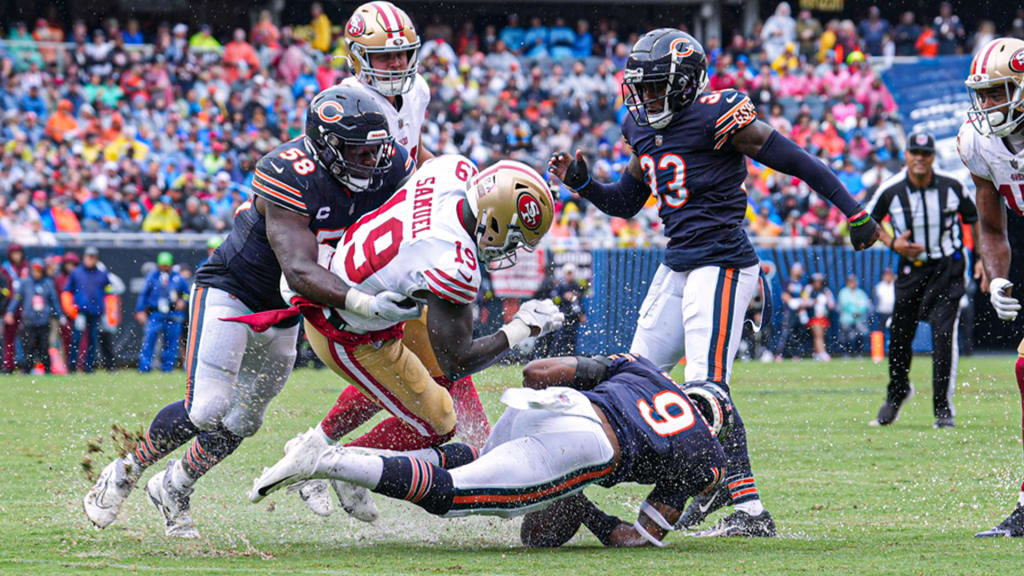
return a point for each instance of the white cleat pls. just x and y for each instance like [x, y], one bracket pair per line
[316, 495]
[356, 500]
[299, 463]
[313, 492]
[103, 502]
[172, 503]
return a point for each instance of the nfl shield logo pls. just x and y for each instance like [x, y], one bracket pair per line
[658, 140]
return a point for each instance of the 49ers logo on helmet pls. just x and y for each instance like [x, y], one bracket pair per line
[1017, 61]
[529, 211]
[356, 26]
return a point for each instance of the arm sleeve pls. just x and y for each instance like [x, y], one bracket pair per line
[623, 198]
[782, 154]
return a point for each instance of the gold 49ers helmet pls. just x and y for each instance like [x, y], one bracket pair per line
[513, 208]
[999, 64]
[380, 28]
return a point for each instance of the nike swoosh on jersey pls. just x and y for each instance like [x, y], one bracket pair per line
[277, 168]
[730, 99]
[464, 277]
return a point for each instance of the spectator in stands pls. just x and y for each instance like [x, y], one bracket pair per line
[203, 41]
[512, 35]
[535, 41]
[240, 57]
[906, 35]
[949, 30]
[163, 217]
[778, 30]
[131, 35]
[583, 45]
[808, 31]
[87, 285]
[321, 28]
[561, 39]
[873, 31]
[35, 303]
[854, 310]
[62, 124]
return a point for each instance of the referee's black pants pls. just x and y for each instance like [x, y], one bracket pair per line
[930, 291]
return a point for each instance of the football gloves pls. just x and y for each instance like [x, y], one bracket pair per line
[863, 230]
[1006, 306]
[386, 305]
[577, 176]
[542, 315]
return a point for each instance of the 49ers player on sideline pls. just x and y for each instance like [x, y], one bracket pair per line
[428, 243]
[991, 145]
[383, 49]
[690, 149]
[305, 191]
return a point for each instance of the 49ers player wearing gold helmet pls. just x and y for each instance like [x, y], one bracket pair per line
[991, 145]
[429, 242]
[383, 54]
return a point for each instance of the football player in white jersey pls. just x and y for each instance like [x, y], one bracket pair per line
[383, 49]
[428, 242]
[991, 145]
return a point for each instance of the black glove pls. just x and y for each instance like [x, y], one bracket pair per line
[577, 176]
[863, 231]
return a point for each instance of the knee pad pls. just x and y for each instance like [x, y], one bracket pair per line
[207, 410]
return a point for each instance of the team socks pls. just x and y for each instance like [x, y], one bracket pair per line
[206, 451]
[170, 429]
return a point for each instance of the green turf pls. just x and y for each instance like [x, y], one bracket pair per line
[848, 499]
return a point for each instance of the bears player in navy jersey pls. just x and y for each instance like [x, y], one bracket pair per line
[690, 149]
[579, 421]
[305, 192]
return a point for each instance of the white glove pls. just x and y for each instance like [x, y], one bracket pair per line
[540, 314]
[1006, 306]
[386, 305]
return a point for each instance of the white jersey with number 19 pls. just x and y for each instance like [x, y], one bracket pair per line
[413, 243]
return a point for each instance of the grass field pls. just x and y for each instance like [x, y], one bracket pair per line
[847, 498]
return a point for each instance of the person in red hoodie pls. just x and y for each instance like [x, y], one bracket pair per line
[15, 268]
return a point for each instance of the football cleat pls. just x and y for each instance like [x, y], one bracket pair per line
[703, 505]
[356, 500]
[315, 494]
[739, 523]
[103, 502]
[945, 422]
[172, 503]
[890, 412]
[1012, 527]
[299, 463]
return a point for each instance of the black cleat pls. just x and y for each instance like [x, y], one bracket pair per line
[890, 412]
[945, 422]
[703, 505]
[739, 523]
[1012, 527]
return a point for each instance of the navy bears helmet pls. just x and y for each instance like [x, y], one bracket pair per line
[666, 72]
[347, 133]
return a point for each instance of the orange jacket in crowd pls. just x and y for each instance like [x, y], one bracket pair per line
[61, 122]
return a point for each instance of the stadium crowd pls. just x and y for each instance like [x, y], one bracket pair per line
[109, 134]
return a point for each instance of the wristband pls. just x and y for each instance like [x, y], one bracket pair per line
[358, 302]
[647, 535]
[515, 331]
[656, 516]
[892, 242]
[860, 218]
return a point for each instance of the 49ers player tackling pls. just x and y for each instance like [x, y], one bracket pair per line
[428, 242]
[991, 145]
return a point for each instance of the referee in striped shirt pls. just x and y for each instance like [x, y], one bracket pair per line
[923, 207]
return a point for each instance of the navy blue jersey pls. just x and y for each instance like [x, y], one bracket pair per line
[663, 439]
[698, 177]
[245, 265]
